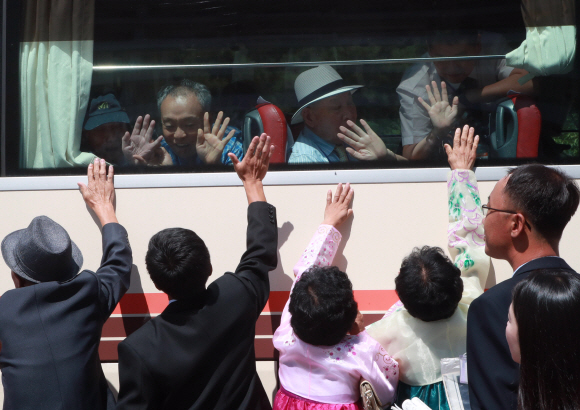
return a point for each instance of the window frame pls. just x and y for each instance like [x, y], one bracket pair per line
[274, 178]
[207, 179]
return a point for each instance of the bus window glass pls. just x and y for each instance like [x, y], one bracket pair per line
[174, 86]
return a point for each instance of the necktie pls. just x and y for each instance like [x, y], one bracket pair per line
[341, 152]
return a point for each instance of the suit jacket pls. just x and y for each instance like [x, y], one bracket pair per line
[493, 375]
[50, 333]
[199, 353]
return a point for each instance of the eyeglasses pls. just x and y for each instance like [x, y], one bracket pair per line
[487, 208]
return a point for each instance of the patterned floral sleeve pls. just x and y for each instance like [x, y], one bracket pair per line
[465, 232]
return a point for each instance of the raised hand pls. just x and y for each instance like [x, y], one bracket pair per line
[211, 142]
[442, 113]
[99, 195]
[253, 168]
[366, 144]
[139, 147]
[464, 151]
[337, 209]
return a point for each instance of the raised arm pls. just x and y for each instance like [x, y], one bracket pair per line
[465, 233]
[322, 247]
[253, 168]
[262, 234]
[114, 274]
[99, 195]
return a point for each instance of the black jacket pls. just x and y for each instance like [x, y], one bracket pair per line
[493, 375]
[50, 334]
[199, 353]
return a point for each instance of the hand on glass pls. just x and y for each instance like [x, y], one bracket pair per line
[99, 194]
[211, 142]
[255, 164]
[139, 147]
[337, 209]
[442, 113]
[464, 151]
[366, 144]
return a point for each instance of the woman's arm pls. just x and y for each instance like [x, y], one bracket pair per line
[323, 246]
[465, 233]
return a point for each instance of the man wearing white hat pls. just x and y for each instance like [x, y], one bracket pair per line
[329, 114]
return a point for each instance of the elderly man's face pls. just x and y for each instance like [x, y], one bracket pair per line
[326, 116]
[106, 140]
[181, 117]
[454, 71]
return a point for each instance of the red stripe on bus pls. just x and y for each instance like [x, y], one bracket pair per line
[264, 349]
[266, 325]
[155, 303]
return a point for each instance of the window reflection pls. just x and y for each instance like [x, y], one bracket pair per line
[384, 93]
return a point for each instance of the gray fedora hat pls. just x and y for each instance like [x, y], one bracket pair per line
[316, 84]
[43, 252]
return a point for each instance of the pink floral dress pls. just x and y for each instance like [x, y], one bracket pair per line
[327, 377]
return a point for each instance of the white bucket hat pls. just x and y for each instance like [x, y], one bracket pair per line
[316, 84]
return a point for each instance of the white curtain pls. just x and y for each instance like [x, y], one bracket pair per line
[56, 64]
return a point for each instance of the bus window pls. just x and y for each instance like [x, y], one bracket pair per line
[173, 86]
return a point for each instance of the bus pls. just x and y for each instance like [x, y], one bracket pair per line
[57, 60]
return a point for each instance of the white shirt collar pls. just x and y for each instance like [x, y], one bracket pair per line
[523, 264]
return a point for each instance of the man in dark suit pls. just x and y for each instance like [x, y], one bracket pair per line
[50, 325]
[525, 216]
[199, 353]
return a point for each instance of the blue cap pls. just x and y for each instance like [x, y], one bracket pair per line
[103, 110]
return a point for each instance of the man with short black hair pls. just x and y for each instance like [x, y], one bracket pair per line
[51, 324]
[199, 352]
[526, 214]
[178, 262]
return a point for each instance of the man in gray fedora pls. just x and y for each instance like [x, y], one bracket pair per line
[50, 325]
[330, 133]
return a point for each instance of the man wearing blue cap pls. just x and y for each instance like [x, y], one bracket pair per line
[103, 132]
[51, 324]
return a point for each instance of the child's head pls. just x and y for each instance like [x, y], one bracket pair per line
[322, 306]
[429, 285]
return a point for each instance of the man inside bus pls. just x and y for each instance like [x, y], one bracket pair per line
[327, 109]
[188, 138]
[199, 352]
[51, 324]
[526, 214]
[104, 128]
[427, 115]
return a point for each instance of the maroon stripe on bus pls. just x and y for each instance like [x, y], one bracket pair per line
[264, 350]
[265, 326]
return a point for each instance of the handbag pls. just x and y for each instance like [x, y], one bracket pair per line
[370, 400]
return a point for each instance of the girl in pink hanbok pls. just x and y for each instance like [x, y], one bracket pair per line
[321, 364]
